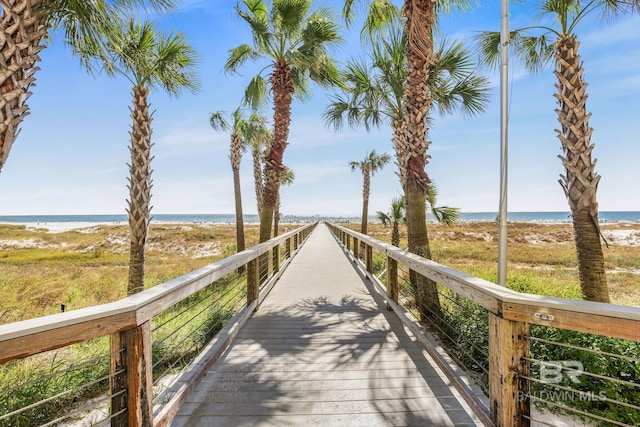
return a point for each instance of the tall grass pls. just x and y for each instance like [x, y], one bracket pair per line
[42, 271]
[541, 257]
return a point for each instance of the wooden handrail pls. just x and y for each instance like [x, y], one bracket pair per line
[510, 315]
[28, 337]
[577, 315]
[128, 323]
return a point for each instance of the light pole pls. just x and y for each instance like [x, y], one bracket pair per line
[504, 141]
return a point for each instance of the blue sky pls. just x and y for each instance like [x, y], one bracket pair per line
[71, 155]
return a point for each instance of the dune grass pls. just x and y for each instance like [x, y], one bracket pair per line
[40, 271]
[542, 257]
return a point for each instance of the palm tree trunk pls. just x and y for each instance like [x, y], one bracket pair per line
[400, 148]
[257, 179]
[419, 20]
[282, 85]
[580, 182]
[139, 187]
[276, 217]
[240, 245]
[418, 240]
[366, 191]
[21, 36]
[395, 234]
[235, 156]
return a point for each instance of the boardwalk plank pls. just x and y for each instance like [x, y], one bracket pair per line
[324, 351]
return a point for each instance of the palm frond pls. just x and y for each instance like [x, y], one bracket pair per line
[257, 8]
[175, 64]
[218, 121]
[384, 218]
[382, 15]
[446, 215]
[288, 15]
[238, 56]
[255, 95]
[319, 33]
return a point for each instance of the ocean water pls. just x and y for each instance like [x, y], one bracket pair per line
[541, 217]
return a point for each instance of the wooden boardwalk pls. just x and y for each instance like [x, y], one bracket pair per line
[323, 351]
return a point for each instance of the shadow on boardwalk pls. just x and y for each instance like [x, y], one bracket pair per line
[325, 353]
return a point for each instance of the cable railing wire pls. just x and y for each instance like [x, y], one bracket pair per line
[602, 398]
[195, 330]
[57, 396]
[578, 412]
[197, 302]
[178, 328]
[583, 372]
[88, 363]
[574, 347]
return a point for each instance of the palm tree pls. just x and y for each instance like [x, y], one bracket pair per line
[395, 216]
[536, 47]
[243, 133]
[295, 44]
[24, 29]
[148, 59]
[420, 19]
[443, 214]
[287, 179]
[375, 95]
[371, 163]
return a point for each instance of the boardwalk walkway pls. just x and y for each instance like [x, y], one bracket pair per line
[324, 351]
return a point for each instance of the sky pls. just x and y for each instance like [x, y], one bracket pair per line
[72, 153]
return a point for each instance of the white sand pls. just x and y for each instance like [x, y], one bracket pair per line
[60, 227]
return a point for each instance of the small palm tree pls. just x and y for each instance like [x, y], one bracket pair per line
[395, 216]
[371, 163]
[148, 59]
[286, 179]
[296, 44]
[243, 132]
[443, 214]
[537, 46]
[25, 26]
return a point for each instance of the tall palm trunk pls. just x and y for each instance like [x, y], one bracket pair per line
[419, 21]
[21, 36]
[282, 86]
[580, 182]
[366, 191]
[257, 179]
[395, 234]
[276, 217]
[235, 156]
[139, 187]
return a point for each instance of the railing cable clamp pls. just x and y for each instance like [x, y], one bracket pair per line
[544, 316]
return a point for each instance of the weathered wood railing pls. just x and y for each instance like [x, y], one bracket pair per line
[128, 324]
[511, 315]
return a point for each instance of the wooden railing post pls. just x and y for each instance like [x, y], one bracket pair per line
[295, 242]
[369, 258]
[355, 248]
[287, 248]
[253, 281]
[276, 258]
[508, 363]
[392, 280]
[132, 388]
[347, 240]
